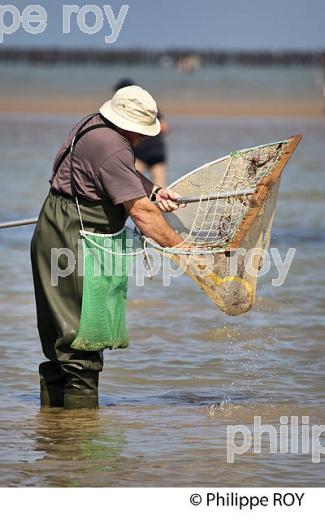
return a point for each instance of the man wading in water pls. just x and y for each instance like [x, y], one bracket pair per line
[95, 168]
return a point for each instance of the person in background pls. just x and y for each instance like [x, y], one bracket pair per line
[150, 154]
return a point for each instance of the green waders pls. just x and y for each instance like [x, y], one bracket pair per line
[70, 377]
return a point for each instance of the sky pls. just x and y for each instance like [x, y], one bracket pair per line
[163, 24]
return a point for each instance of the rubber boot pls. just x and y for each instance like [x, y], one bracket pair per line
[78, 402]
[81, 390]
[52, 385]
[51, 396]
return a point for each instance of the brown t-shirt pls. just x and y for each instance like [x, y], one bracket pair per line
[103, 167]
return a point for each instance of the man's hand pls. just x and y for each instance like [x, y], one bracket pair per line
[165, 198]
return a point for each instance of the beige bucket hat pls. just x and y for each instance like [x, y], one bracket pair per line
[133, 109]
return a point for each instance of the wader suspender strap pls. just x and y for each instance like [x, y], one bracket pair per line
[79, 134]
[70, 150]
[67, 151]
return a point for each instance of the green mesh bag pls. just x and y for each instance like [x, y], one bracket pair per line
[105, 281]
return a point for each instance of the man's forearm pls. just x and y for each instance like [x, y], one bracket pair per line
[152, 223]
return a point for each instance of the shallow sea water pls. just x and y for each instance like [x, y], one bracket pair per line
[190, 371]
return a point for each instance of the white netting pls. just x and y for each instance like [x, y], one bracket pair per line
[209, 225]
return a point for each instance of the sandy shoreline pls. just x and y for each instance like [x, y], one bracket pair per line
[223, 108]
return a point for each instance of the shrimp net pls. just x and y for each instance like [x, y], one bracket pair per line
[210, 225]
[217, 227]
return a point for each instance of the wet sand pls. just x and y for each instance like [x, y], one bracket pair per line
[79, 104]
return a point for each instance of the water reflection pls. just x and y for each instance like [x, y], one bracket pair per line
[80, 443]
